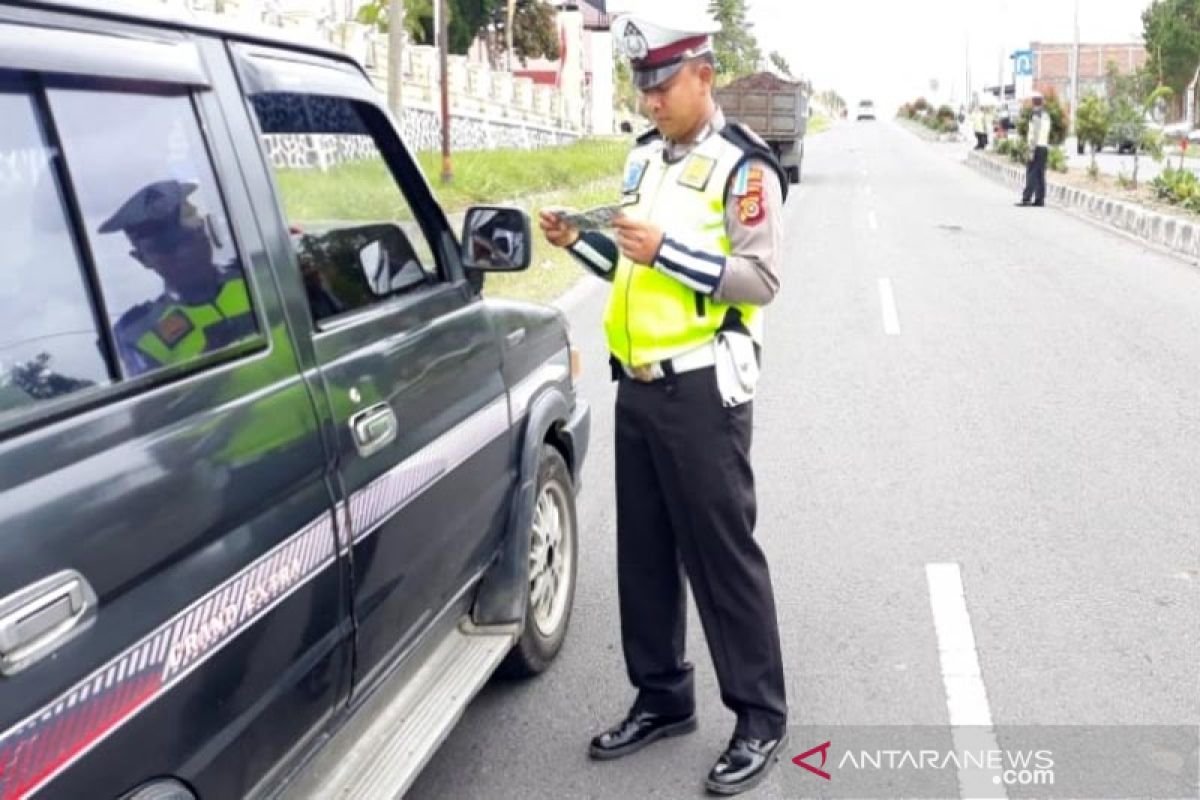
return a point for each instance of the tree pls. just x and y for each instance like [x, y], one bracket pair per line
[1093, 122]
[1132, 100]
[1171, 29]
[736, 48]
[416, 13]
[534, 32]
[535, 26]
[780, 63]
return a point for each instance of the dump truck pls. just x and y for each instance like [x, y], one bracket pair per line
[775, 109]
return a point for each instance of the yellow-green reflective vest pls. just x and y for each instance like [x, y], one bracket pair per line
[188, 326]
[651, 316]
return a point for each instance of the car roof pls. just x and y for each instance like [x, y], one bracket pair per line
[185, 20]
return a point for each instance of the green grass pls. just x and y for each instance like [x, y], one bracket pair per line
[554, 271]
[819, 124]
[493, 175]
[365, 191]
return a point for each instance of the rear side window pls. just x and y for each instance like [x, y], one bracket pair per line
[50, 344]
[356, 239]
[172, 283]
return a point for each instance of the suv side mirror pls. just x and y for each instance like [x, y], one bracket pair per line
[497, 239]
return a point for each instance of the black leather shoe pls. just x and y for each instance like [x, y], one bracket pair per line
[636, 731]
[744, 764]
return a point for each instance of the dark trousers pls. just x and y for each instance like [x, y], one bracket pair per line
[1035, 177]
[686, 506]
[981, 141]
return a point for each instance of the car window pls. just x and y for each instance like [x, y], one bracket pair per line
[172, 282]
[356, 239]
[50, 345]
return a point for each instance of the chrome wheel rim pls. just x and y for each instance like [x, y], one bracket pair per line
[550, 559]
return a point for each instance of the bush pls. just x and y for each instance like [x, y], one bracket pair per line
[1057, 159]
[1178, 187]
[1095, 118]
[1018, 150]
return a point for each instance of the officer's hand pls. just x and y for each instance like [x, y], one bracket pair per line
[557, 232]
[639, 241]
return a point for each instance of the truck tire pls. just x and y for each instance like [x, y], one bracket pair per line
[793, 174]
[553, 559]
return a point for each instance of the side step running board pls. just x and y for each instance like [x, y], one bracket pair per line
[379, 753]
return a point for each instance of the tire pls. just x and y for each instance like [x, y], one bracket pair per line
[554, 543]
[793, 174]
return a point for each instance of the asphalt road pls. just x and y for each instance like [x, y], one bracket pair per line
[1027, 407]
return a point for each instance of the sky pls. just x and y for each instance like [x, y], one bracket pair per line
[890, 50]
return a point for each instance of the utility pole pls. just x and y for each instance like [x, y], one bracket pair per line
[511, 17]
[1075, 75]
[443, 35]
[395, 69]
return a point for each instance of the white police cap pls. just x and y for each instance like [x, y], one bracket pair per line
[662, 35]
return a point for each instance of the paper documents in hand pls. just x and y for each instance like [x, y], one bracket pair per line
[593, 219]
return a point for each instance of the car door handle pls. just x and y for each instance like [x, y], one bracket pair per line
[374, 429]
[515, 338]
[41, 617]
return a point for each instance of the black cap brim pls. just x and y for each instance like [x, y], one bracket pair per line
[645, 79]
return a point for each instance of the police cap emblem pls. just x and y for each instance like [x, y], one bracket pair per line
[633, 42]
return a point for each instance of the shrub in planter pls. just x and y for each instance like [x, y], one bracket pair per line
[1057, 159]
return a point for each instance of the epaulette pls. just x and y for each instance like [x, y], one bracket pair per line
[133, 315]
[649, 136]
[752, 145]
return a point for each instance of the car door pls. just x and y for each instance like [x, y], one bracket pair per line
[172, 602]
[407, 352]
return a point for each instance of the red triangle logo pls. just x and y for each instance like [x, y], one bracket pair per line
[823, 749]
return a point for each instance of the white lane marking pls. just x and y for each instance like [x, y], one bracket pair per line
[873, 220]
[891, 320]
[966, 696]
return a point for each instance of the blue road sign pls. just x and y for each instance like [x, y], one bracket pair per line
[1023, 63]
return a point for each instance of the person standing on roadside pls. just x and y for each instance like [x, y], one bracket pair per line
[1039, 148]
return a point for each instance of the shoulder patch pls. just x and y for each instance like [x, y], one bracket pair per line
[696, 172]
[635, 172]
[173, 327]
[751, 198]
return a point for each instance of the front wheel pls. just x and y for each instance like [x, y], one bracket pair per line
[793, 174]
[553, 560]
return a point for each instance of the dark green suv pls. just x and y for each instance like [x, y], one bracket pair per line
[279, 490]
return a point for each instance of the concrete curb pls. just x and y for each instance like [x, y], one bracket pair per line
[1174, 234]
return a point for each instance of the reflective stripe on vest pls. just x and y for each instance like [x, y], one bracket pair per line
[232, 302]
[650, 316]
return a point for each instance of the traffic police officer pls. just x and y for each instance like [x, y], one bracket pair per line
[695, 257]
[203, 307]
[1039, 145]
